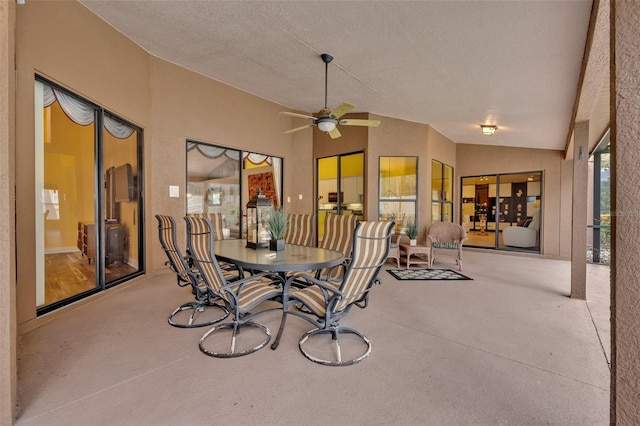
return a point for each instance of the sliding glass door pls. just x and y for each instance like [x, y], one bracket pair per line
[340, 187]
[503, 211]
[88, 229]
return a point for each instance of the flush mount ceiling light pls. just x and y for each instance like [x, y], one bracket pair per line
[488, 129]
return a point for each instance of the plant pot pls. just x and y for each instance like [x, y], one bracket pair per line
[276, 245]
[413, 242]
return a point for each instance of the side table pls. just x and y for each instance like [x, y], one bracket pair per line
[420, 252]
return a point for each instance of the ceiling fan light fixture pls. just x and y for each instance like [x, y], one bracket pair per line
[488, 129]
[326, 126]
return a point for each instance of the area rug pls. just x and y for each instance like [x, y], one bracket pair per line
[427, 274]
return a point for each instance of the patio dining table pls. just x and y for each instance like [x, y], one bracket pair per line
[292, 259]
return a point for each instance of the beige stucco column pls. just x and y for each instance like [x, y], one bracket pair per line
[8, 330]
[579, 211]
[625, 209]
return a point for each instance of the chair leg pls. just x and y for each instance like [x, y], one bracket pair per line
[235, 329]
[340, 359]
[181, 317]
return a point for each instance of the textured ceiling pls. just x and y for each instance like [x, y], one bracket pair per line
[451, 64]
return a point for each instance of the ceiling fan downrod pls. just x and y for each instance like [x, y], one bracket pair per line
[327, 59]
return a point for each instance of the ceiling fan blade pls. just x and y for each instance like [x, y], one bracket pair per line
[335, 133]
[342, 109]
[356, 122]
[306, 126]
[295, 114]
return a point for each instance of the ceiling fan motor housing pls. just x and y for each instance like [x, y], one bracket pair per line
[326, 124]
[326, 58]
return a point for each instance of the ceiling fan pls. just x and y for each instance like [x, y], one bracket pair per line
[328, 119]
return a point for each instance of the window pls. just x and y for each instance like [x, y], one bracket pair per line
[397, 196]
[441, 192]
[222, 180]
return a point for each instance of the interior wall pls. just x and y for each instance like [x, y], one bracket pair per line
[69, 160]
[475, 160]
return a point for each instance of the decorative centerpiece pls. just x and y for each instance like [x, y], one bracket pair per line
[412, 233]
[278, 222]
[258, 211]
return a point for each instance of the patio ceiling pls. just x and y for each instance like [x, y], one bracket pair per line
[451, 64]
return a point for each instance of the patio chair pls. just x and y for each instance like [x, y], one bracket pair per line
[328, 301]
[300, 229]
[217, 223]
[203, 311]
[338, 236]
[241, 297]
[445, 239]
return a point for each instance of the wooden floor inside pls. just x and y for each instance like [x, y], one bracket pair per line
[68, 274]
[486, 239]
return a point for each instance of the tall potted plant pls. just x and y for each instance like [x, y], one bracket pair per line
[278, 221]
[412, 233]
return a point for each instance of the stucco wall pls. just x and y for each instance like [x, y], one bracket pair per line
[8, 326]
[625, 268]
[476, 160]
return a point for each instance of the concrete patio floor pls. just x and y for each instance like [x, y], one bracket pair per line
[509, 347]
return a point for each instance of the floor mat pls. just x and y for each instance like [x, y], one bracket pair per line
[427, 274]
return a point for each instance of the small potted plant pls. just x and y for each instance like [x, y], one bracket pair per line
[412, 233]
[278, 222]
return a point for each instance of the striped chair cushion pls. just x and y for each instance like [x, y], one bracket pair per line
[167, 235]
[338, 236]
[371, 241]
[369, 253]
[300, 229]
[217, 222]
[200, 243]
